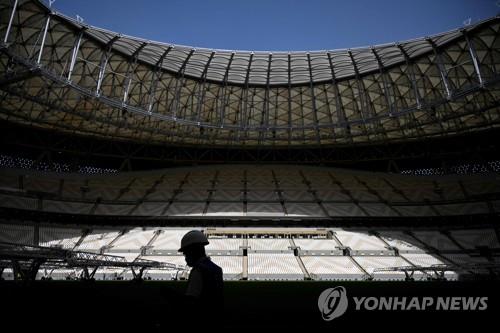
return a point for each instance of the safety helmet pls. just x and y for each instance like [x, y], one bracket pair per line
[191, 238]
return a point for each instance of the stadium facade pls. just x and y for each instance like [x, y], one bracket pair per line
[367, 163]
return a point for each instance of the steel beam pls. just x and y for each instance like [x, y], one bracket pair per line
[201, 88]
[313, 100]
[224, 88]
[128, 75]
[154, 79]
[74, 54]
[43, 38]
[178, 88]
[384, 81]
[104, 63]
[413, 79]
[9, 26]
[361, 89]
[473, 55]
[440, 65]
[264, 117]
[289, 88]
[18, 76]
[341, 115]
[244, 101]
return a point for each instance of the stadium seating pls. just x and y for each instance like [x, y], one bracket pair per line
[64, 238]
[16, 233]
[274, 266]
[97, 240]
[270, 244]
[370, 264]
[270, 253]
[306, 244]
[133, 240]
[168, 240]
[224, 244]
[359, 240]
[474, 238]
[247, 191]
[232, 266]
[436, 240]
[332, 268]
[401, 241]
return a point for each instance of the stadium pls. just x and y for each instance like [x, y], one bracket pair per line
[376, 168]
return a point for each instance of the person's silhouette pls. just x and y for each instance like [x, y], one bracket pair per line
[205, 283]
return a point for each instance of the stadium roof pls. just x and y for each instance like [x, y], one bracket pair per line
[99, 82]
[261, 68]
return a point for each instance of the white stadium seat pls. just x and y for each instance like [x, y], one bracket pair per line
[332, 267]
[273, 266]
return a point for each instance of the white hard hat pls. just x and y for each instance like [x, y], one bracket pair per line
[193, 237]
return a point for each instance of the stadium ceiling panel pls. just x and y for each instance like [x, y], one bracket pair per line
[62, 74]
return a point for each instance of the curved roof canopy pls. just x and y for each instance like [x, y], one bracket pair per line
[247, 68]
[98, 82]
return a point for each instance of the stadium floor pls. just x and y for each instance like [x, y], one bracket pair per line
[152, 305]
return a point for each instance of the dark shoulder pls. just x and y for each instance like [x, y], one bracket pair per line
[208, 264]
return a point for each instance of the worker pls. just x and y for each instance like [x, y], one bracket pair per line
[205, 284]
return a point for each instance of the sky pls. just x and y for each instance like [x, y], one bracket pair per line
[278, 25]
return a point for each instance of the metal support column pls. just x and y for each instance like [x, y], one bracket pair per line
[313, 100]
[384, 82]
[27, 273]
[43, 38]
[413, 79]
[201, 88]
[74, 54]
[264, 117]
[341, 116]
[361, 90]
[128, 78]
[474, 58]
[244, 101]
[245, 258]
[9, 26]
[442, 69]
[223, 93]
[155, 78]
[138, 275]
[289, 99]
[178, 86]
[104, 63]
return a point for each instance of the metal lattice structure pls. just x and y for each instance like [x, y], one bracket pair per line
[26, 259]
[62, 74]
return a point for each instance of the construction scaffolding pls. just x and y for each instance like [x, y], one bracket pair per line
[27, 260]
